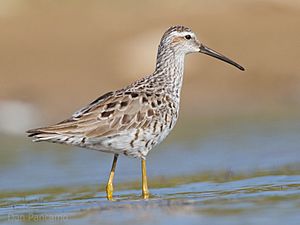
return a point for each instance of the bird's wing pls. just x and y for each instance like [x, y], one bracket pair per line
[108, 115]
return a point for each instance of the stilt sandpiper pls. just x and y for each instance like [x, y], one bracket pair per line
[136, 118]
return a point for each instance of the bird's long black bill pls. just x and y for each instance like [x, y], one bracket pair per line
[213, 53]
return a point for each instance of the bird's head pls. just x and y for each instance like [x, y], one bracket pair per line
[182, 40]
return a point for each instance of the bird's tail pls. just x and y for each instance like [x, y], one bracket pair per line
[46, 134]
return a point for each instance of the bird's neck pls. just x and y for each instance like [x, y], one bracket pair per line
[169, 70]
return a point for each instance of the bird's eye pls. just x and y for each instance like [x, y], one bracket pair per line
[188, 37]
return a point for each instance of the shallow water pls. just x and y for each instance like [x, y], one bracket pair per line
[217, 171]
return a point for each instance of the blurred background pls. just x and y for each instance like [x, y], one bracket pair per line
[57, 56]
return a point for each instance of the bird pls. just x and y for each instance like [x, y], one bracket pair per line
[133, 120]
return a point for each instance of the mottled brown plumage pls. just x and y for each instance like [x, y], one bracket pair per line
[103, 124]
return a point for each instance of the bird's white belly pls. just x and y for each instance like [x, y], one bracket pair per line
[133, 142]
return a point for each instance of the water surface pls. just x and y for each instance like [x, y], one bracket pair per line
[215, 171]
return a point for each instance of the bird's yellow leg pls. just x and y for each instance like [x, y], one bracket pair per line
[145, 191]
[109, 186]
